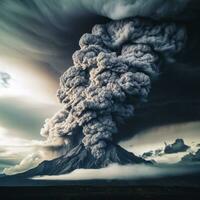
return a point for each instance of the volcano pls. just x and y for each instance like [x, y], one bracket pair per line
[81, 158]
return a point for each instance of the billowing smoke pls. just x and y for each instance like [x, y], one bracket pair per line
[116, 62]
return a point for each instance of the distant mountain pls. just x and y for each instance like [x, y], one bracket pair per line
[176, 147]
[191, 157]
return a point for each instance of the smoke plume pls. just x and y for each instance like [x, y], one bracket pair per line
[118, 60]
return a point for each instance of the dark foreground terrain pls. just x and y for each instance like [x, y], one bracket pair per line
[99, 192]
[172, 188]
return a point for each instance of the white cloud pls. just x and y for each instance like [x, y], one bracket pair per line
[116, 171]
[16, 149]
[28, 162]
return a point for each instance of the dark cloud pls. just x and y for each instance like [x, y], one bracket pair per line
[44, 32]
[119, 9]
[47, 32]
[176, 147]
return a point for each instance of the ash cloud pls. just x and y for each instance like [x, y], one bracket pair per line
[118, 60]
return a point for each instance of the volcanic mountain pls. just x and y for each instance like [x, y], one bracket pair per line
[80, 158]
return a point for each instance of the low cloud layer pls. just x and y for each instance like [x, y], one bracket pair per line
[127, 172]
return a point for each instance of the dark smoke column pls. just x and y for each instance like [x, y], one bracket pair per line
[116, 61]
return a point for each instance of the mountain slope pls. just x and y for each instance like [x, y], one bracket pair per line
[79, 157]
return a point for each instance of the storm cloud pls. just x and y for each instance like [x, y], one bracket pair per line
[119, 9]
[41, 32]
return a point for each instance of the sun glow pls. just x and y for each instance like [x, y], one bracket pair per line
[27, 82]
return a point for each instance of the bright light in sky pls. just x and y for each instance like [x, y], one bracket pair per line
[14, 88]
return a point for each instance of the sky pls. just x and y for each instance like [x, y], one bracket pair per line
[37, 39]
